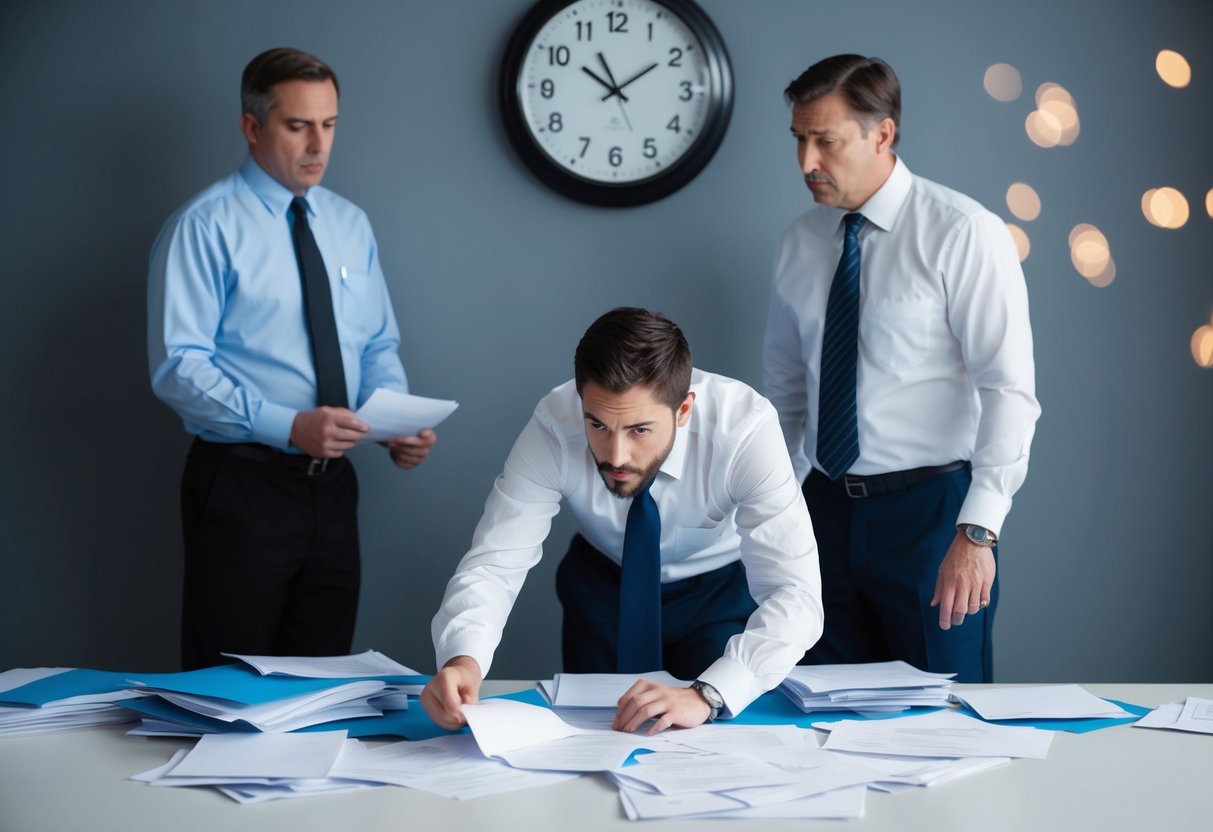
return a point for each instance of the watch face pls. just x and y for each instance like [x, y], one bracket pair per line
[617, 94]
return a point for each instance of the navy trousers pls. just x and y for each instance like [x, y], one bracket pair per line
[271, 558]
[698, 614]
[879, 560]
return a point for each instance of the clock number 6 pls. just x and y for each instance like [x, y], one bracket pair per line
[615, 157]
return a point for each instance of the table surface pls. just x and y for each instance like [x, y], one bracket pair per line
[1119, 778]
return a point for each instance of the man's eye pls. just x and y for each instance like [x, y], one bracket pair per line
[642, 431]
[597, 425]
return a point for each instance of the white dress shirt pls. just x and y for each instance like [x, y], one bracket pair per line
[945, 367]
[727, 490]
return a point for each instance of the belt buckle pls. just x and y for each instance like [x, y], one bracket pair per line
[317, 466]
[857, 489]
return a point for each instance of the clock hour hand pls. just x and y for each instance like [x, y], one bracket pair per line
[611, 90]
[638, 75]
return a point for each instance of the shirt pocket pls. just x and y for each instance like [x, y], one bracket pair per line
[358, 304]
[896, 332]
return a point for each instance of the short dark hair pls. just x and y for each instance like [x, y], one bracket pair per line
[629, 347]
[273, 66]
[869, 85]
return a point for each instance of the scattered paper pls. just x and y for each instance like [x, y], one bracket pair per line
[941, 734]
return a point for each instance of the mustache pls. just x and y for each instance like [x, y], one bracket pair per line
[608, 468]
[818, 177]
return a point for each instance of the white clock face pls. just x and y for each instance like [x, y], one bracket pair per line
[615, 91]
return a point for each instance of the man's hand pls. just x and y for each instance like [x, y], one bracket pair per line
[963, 585]
[455, 685]
[410, 451]
[670, 706]
[327, 432]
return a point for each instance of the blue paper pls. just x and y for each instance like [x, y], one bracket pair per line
[241, 683]
[79, 682]
[773, 708]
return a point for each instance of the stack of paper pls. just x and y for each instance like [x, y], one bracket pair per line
[36, 700]
[297, 693]
[876, 687]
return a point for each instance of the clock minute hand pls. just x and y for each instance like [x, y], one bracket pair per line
[614, 87]
[638, 75]
[611, 90]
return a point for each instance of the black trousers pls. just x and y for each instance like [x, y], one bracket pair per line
[879, 560]
[698, 614]
[271, 556]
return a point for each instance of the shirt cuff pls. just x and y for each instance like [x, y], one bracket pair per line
[273, 425]
[735, 683]
[984, 508]
[482, 654]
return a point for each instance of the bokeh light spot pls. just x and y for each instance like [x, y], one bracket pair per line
[1209, 203]
[1091, 255]
[1003, 83]
[1043, 128]
[1173, 68]
[1165, 207]
[1202, 346]
[1023, 201]
[1055, 121]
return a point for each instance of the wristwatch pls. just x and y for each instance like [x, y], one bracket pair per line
[978, 535]
[711, 696]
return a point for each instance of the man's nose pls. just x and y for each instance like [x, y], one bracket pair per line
[618, 453]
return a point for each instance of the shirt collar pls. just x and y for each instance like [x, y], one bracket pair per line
[275, 196]
[882, 207]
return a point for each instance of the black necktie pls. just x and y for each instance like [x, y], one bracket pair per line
[837, 427]
[318, 309]
[640, 588]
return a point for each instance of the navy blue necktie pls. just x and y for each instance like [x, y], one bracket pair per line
[318, 310]
[837, 429]
[640, 588]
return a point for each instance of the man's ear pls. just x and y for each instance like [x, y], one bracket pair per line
[886, 132]
[683, 414]
[250, 127]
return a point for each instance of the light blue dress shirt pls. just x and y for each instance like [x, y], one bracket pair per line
[228, 345]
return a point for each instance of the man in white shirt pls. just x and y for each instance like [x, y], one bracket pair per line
[929, 418]
[639, 421]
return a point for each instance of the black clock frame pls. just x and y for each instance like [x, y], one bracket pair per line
[639, 192]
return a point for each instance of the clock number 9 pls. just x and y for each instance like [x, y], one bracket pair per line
[547, 88]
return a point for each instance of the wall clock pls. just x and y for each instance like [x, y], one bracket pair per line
[616, 102]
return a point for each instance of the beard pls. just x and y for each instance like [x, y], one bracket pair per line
[624, 491]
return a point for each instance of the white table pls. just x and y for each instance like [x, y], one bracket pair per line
[1119, 778]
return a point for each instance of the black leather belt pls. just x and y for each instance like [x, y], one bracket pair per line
[264, 454]
[859, 488]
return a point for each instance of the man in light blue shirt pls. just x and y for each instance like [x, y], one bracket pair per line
[269, 501]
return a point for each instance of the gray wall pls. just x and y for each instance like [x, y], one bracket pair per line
[115, 113]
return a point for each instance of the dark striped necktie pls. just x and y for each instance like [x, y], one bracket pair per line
[837, 428]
